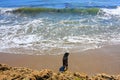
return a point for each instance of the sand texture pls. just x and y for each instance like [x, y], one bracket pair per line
[97, 64]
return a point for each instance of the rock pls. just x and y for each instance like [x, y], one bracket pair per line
[82, 76]
[45, 74]
[20, 73]
[4, 67]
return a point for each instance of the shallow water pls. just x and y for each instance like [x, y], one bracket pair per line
[51, 31]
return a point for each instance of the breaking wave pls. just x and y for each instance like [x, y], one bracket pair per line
[110, 11]
[36, 10]
[63, 31]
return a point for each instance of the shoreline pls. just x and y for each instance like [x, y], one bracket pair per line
[102, 60]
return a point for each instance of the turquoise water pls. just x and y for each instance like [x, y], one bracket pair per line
[54, 27]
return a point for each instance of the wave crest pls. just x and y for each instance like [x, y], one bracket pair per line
[114, 12]
[66, 10]
[28, 10]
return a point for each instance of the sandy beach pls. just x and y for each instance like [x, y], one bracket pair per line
[102, 60]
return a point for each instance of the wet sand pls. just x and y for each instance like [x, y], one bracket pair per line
[103, 60]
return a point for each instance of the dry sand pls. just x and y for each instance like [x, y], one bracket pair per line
[103, 60]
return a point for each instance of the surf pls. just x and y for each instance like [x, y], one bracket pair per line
[66, 10]
[57, 30]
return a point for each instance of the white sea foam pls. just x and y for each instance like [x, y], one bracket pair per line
[115, 11]
[6, 10]
[53, 33]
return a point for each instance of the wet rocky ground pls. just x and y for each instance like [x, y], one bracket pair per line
[21, 73]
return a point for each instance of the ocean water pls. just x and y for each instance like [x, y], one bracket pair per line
[54, 27]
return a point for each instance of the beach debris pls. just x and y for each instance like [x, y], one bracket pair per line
[22, 73]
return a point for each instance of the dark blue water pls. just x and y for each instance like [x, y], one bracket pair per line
[60, 3]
